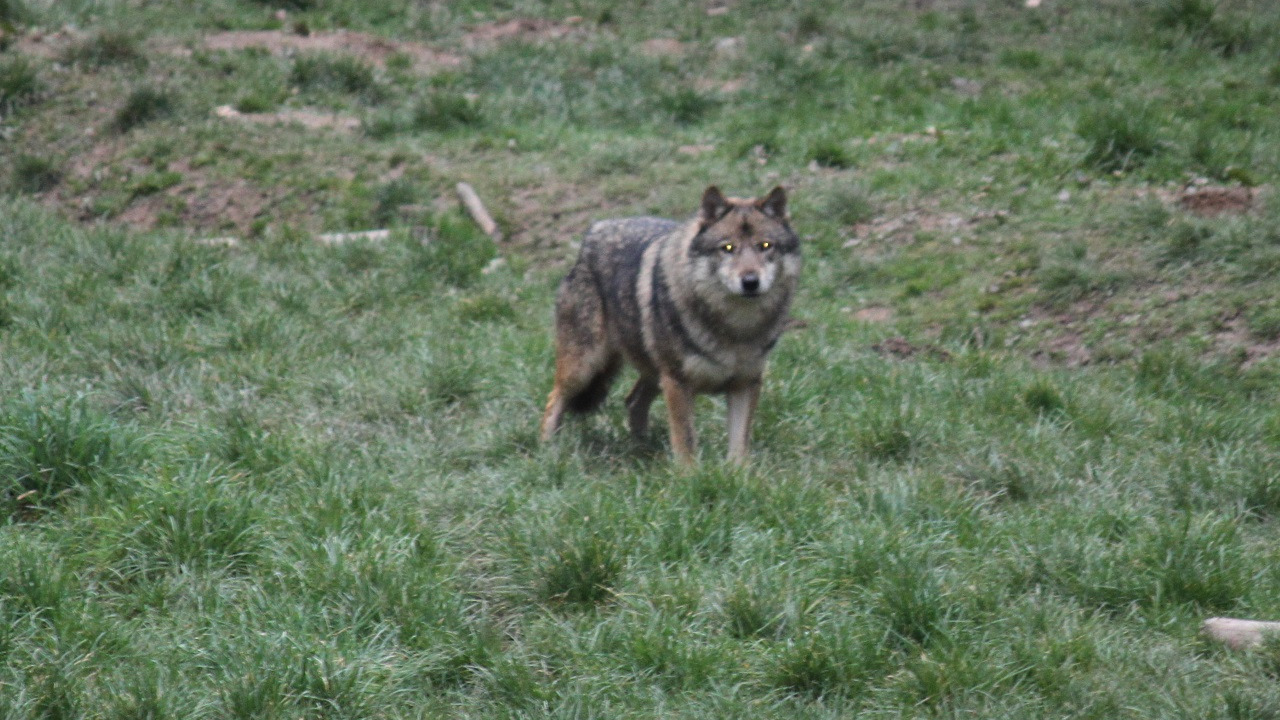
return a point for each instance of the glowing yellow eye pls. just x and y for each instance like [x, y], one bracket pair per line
[766, 245]
[727, 247]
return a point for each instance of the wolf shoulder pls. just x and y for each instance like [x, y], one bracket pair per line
[615, 247]
[628, 231]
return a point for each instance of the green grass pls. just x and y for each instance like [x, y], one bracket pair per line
[287, 479]
[19, 83]
[143, 105]
[33, 174]
[108, 47]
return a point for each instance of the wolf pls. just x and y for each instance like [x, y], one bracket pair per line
[695, 307]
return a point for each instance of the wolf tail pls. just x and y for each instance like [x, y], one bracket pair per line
[593, 394]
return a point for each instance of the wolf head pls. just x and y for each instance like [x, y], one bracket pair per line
[746, 244]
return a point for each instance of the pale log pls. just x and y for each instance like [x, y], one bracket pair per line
[471, 201]
[339, 238]
[1239, 634]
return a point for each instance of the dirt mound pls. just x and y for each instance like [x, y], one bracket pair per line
[1213, 200]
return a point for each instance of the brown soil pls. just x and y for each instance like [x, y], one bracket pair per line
[1069, 348]
[902, 348]
[663, 47]
[1211, 200]
[550, 216]
[905, 225]
[45, 45]
[521, 29]
[1235, 338]
[874, 314]
[221, 203]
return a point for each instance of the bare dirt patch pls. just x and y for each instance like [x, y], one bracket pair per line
[1068, 348]
[901, 348]
[197, 200]
[905, 225]
[369, 48]
[874, 314]
[1235, 339]
[1213, 200]
[546, 220]
[226, 204]
[520, 29]
[45, 45]
[548, 215]
[663, 47]
[724, 87]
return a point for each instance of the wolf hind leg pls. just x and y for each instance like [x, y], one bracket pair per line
[639, 399]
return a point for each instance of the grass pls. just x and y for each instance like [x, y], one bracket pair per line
[19, 83]
[143, 105]
[1023, 445]
[33, 174]
[108, 47]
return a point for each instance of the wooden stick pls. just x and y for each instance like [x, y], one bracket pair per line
[339, 238]
[227, 241]
[472, 202]
[323, 239]
[1239, 634]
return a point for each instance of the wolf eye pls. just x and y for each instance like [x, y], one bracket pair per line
[727, 247]
[766, 245]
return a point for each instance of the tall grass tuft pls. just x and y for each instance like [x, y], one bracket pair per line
[581, 568]
[444, 110]
[108, 47]
[456, 252]
[143, 105]
[200, 521]
[833, 658]
[1207, 23]
[12, 13]
[341, 74]
[1120, 137]
[34, 174]
[50, 448]
[19, 83]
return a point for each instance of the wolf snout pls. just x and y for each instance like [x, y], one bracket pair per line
[750, 283]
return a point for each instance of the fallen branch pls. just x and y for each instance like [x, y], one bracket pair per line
[339, 238]
[309, 119]
[471, 201]
[229, 241]
[1239, 634]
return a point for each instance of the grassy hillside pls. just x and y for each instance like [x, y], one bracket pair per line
[1027, 441]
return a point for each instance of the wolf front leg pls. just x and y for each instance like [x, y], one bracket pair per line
[679, 399]
[741, 404]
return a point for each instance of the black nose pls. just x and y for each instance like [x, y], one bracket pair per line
[750, 283]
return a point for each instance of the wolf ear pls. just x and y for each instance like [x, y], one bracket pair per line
[774, 204]
[714, 205]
